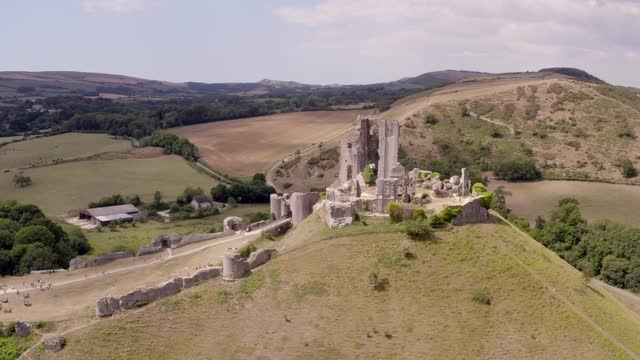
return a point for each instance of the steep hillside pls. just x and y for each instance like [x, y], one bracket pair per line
[53, 83]
[315, 301]
[573, 129]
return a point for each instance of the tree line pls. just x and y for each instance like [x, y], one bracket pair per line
[29, 241]
[603, 249]
[142, 117]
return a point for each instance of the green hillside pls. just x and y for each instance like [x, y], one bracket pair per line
[571, 129]
[315, 301]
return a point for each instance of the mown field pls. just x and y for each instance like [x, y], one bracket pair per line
[315, 301]
[68, 146]
[134, 238]
[69, 186]
[246, 146]
[597, 200]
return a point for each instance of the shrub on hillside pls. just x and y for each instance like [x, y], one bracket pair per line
[394, 209]
[368, 175]
[378, 283]
[246, 250]
[450, 212]
[518, 169]
[418, 214]
[418, 229]
[481, 296]
[628, 170]
[486, 197]
[430, 119]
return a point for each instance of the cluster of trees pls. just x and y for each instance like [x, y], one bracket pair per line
[182, 208]
[517, 169]
[29, 241]
[256, 191]
[172, 144]
[603, 249]
[141, 118]
[116, 199]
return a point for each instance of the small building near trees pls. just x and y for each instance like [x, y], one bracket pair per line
[105, 215]
[201, 202]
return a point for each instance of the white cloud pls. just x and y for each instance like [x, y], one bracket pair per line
[480, 34]
[119, 6]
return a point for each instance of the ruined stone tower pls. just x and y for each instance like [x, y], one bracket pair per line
[388, 137]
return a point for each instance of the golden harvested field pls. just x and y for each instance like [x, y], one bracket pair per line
[246, 146]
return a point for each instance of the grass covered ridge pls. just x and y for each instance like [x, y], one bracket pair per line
[315, 301]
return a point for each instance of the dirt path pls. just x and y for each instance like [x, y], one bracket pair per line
[215, 174]
[484, 118]
[618, 291]
[562, 298]
[123, 269]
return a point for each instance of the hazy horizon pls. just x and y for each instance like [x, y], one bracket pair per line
[320, 41]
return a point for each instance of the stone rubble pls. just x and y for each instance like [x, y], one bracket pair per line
[54, 343]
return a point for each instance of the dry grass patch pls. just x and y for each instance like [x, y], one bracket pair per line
[246, 146]
[316, 302]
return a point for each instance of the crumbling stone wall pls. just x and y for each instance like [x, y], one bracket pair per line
[302, 205]
[472, 212]
[82, 262]
[389, 137]
[358, 151]
[109, 305]
[339, 214]
[260, 257]
[275, 202]
[234, 267]
[233, 223]
[172, 241]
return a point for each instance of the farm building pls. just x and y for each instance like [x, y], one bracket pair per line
[201, 201]
[108, 214]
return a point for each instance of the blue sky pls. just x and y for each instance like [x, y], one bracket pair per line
[319, 41]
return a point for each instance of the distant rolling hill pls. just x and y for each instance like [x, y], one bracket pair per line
[20, 84]
[25, 85]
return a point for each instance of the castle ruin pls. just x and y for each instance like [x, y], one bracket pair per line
[375, 144]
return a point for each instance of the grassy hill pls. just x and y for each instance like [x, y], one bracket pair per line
[315, 301]
[573, 129]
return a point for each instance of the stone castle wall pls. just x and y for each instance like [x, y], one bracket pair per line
[234, 267]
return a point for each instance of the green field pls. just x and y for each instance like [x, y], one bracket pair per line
[71, 186]
[135, 237]
[60, 147]
[597, 200]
